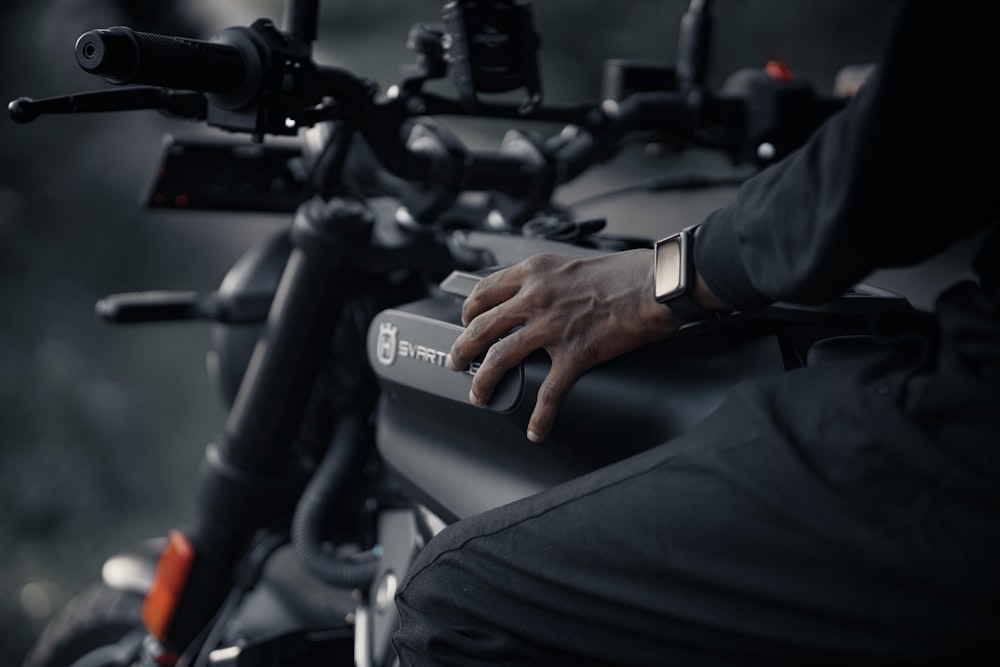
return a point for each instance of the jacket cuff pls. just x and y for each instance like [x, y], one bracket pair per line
[719, 261]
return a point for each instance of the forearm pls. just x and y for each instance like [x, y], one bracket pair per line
[888, 182]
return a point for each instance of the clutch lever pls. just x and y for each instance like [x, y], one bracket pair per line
[182, 103]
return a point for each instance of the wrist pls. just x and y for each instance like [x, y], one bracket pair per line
[677, 283]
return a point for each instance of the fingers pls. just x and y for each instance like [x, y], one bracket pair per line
[487, 315]
[503, 355]
[580, 311]
[550, 396]
[482, 333]
[490, 291]
[506, 354]
[503, 285]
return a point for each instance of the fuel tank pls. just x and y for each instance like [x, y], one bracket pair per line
[459, 459]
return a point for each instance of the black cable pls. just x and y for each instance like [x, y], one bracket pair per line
[308, 521]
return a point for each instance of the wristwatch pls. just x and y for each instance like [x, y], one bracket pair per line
[674, 275]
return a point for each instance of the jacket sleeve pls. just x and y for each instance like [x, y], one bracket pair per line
[909, 166]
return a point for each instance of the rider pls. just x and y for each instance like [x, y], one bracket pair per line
[845, 512]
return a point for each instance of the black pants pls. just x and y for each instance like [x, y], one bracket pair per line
[846, 514]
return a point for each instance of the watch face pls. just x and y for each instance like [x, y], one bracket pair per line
[668, 271]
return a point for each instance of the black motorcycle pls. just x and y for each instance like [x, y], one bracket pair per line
[348, 444]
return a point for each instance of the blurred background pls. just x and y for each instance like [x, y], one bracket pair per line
[102, 428]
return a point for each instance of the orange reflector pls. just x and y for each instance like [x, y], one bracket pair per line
[171, 576]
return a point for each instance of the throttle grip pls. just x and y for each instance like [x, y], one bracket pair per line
[122, 55]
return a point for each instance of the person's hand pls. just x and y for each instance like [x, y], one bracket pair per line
[581, 311]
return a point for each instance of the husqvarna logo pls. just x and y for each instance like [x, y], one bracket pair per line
[385, 348]
[389, 347]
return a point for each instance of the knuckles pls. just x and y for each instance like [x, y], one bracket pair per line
[541, 263]
[550, 393]
[475, 330]
[498, 355]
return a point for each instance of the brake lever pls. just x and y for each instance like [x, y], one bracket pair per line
[182, 103]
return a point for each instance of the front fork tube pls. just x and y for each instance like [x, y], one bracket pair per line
[246, 482]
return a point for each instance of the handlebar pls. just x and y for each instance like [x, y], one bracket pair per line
[263, 80]
[255, 79]
[123, 55]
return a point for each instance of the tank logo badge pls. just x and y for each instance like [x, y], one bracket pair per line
[385, 348]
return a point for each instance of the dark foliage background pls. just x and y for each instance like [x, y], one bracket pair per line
[102, 428]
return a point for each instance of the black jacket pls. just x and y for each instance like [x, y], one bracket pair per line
[908, 167]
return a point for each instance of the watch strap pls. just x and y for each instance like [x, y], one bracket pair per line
[684, 307]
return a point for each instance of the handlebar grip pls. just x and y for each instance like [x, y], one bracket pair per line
[123, 55]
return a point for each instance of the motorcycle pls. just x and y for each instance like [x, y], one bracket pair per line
[348, 445]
